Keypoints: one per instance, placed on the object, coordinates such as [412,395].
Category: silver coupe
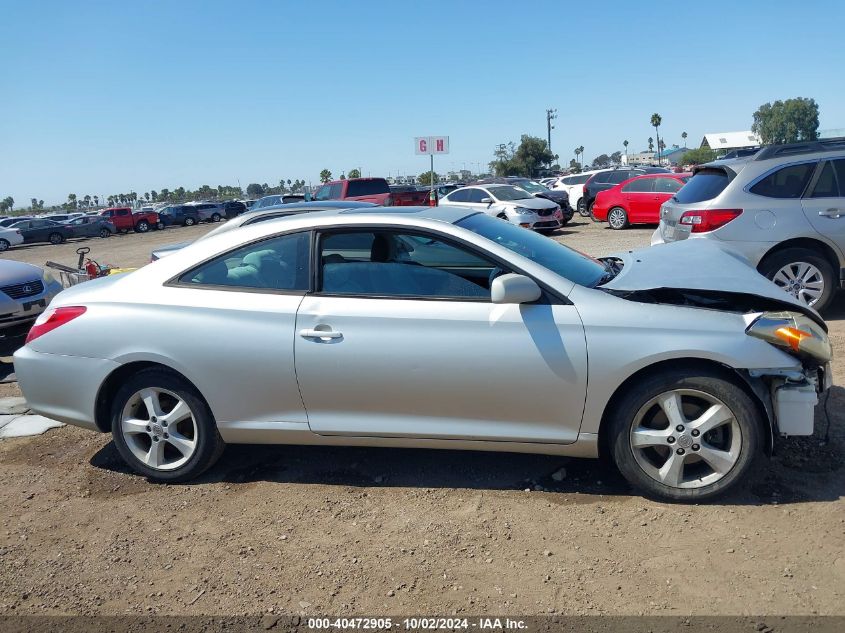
[434,327]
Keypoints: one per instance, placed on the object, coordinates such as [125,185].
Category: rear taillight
[53,318]
[709,219]
[388,201]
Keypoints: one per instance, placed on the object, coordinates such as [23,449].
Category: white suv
[574,187]
[782,209]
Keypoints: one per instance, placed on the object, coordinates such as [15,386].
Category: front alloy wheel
[162,427]
[687,436]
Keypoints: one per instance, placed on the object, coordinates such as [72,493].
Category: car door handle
[325,334]
[831,213]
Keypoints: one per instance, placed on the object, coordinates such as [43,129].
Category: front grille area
[26,289]
[547,225]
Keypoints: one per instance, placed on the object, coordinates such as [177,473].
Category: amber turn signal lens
[792,335]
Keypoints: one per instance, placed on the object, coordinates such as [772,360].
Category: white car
[574,186]
[509,203]
[9,237]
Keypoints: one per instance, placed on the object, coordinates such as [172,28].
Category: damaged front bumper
[794,396]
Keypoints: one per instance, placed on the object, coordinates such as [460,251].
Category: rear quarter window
[787,182]
[704,185]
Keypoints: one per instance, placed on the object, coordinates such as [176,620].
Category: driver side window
[389,264]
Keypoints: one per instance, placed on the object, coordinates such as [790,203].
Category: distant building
[640,158]
[730,140]
[673,155]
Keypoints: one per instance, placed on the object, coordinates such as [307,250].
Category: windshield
[507,192]
[532,187]
[560,259]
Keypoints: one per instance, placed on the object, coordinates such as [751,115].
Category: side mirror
[514,288]
[487,201]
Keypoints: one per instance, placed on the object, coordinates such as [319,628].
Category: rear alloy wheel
[582,207]
[56,238]
[142,227]
[189,221]
[104,233]
[162,427]
[4,245]
[803,274]
[215,217]
[685,437]
[617,218]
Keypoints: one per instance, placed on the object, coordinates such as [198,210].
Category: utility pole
[551,114]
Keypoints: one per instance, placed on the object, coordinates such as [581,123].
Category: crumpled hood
[698,265]
[531,203]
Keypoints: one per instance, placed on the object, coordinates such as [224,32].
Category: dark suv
[233,208]
[602,181]
[179,214]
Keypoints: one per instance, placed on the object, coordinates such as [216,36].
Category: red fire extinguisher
[432,199]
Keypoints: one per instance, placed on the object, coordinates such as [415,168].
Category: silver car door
[824,204]
[372,363]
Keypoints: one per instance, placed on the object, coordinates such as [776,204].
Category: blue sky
[109,97]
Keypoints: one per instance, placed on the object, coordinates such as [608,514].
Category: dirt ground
[384,531]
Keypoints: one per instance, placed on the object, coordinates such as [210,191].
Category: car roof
[327,205]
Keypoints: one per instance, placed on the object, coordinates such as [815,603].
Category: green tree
[574,167]
[501,165]
[787,121]
[343,176]
[425,177]
[650,144]
[254,190]
[325,176]
[697,156]
[684,136]
[656,120]
[354,173]
[602,160]
[531,155]
[625,143]
[616,158]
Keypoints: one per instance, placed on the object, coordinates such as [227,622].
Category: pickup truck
[125,220]
[375,190]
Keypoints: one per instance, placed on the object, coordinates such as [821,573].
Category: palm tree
[96,201]
[684,136]
[625,143]
[581,151]
[656,120]
[650,144]
[577,152]
[87,200]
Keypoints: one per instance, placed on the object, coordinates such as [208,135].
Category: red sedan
[637,200]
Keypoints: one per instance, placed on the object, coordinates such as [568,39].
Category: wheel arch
[753,387]
[809,243]
[116,378]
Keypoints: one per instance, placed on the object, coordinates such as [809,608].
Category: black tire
[104,233]
[624,224]
[582,207]
[160,226]
[4,245]
[709,382]
[56,238]
[776,261]
[142,227]
[209,443]
[190,221]
[215,217]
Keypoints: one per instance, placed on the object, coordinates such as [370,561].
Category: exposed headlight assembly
[794,332]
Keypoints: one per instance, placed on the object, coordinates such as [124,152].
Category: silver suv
[782,209]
